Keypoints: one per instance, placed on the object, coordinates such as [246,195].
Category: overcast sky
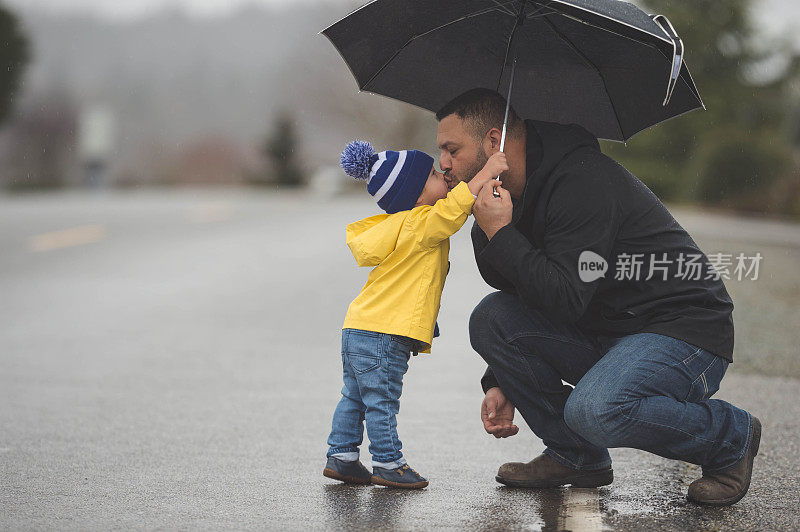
[778,16]
[134,8]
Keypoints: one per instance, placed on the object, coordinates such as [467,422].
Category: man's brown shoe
[544,472]
[727,487]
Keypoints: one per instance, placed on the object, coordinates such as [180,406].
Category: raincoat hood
[372,239]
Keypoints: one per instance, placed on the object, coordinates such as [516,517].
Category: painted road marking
[75,236]
[580,511]
[217,211]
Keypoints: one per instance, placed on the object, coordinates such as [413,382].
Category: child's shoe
[399,477]
[349,472]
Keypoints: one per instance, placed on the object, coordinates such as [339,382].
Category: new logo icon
[591,266]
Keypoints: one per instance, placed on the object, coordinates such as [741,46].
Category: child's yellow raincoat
[409,250]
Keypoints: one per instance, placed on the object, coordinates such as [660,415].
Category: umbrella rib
[504,7]
[556,11]
[508,46]
[589,61]
[542,6]
[601,28]
[690,83]
[536,14]
[412,39]
[587,10]
[347,15]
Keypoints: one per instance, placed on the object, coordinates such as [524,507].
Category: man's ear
[491,141]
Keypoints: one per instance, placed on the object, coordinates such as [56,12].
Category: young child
[395,313]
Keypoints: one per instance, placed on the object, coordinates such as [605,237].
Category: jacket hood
[372,239]
[553,142]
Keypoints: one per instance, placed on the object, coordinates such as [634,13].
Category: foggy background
[135,93]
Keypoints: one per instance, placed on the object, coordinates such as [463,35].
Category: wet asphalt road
[172,361]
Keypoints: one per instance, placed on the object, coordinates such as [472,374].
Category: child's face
[435,189]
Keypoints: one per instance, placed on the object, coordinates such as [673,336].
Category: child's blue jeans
[373,366]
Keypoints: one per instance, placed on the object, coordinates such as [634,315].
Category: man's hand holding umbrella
[492,213]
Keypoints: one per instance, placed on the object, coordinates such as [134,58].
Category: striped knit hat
[394,178]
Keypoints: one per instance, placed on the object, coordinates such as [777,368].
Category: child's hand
[494,167]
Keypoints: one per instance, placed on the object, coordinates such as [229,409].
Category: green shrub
[733,164]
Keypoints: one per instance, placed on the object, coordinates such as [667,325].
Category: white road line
[75,236]
[580,511]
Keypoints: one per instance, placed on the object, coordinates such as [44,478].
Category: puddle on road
[644,490]
[580,511]
[654,490]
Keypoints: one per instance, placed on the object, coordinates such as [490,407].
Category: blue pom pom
[356,159]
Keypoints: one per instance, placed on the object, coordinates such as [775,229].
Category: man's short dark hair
[482,110]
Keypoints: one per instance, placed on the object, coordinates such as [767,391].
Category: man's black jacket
[577,199]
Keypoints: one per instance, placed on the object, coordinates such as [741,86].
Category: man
[644,348]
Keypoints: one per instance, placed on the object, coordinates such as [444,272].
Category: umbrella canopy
[603,64]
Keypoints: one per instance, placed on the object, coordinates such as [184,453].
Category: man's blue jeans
[645,390]
[373,366]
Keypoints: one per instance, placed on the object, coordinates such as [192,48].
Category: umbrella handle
[677,54]
[495,193]
[511,48]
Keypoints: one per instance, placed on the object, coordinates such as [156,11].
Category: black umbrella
[603,64]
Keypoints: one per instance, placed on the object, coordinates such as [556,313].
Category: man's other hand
[497,414]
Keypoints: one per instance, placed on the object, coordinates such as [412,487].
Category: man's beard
[477,166]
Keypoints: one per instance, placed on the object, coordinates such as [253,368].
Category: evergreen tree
[735,150]
[14,57]
[281,149]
